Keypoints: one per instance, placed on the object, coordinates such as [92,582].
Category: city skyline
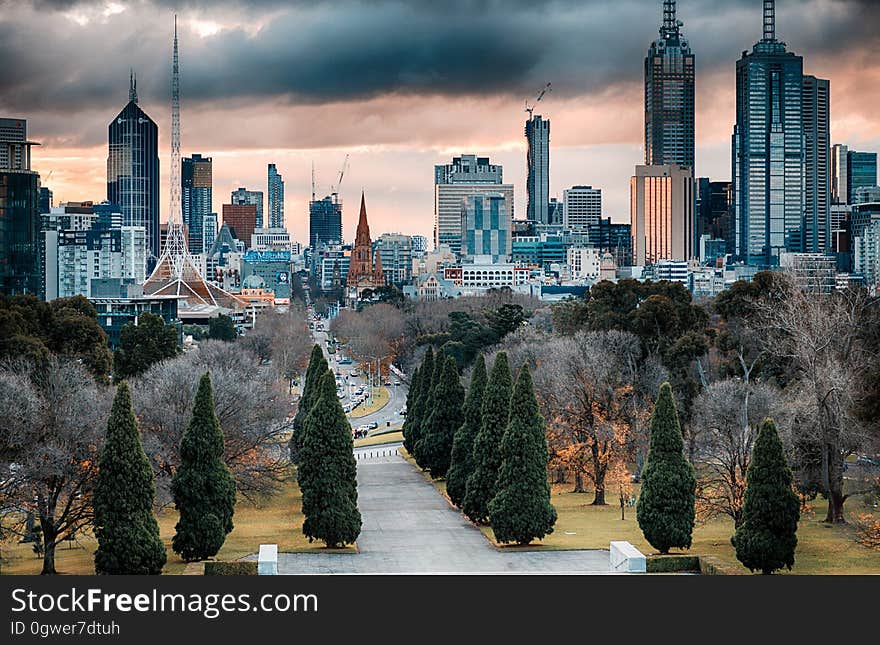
[396,127]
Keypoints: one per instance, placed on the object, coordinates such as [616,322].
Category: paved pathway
[408,527]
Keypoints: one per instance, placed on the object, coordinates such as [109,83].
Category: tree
[314,373]
[125,527]
[142,345]
[51,417]
[418,413]
[767,538]
[462,465]
[203,487]
[427,399]
[665,509]
[222,328]
[621,481]
[435,444]
[327,472]
[521,510]
[482,484]
[411,396]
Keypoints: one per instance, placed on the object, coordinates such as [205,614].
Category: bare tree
[51,446]
[820,337]
[252,406]
[728,415]
[376,331]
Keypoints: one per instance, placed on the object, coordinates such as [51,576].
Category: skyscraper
[453,183]
[486,227]
[20,256]
[276,199]
[817,175]
[862,173]
[196,199]
[255,197]
[662,212]
[768,150]
[538,160]
[242,220]
[133,170]
[582,207]
[669,95]
[325,221]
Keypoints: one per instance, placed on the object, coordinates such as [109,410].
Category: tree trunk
[836,498]
[599,497]
[560,475]
[49,536]
[578,483]
[622,509]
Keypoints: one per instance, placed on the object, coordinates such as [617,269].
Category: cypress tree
[481,485]
[767,538]
[417,415]
[328,472]
[411,397]
[203,487]
[126,529]
[314,372]
[521,510]
[665,510]
[462,464]
[435,445]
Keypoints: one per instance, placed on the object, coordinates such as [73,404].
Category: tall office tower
[817,175]
[242,220]
[209,231]
[486,227]
[669,95]
[21,267]
[196,186]
[862,173]
[538,160]
[276,198]
[768,153]
[395,251]
[712,210]
[255,197]
[453,183]
[133,170]
[325,221]
[839,174]
[46,201]
[581,208]
[662,212]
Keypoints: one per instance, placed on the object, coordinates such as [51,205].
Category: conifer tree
[665,509]
[767,537]
[462,464]
[521,510]
[438,432]
[203,487]
[421,408]
[314,372]
[411,396]
[481,485]
[125,526]
[328,472]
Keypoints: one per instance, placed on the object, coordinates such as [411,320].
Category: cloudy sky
[400,86]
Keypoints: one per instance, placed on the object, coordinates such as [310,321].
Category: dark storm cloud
[338,51]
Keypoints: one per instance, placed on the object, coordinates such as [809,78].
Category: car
[354,373]
[396,383]
[387,383]
[402,412]
[373,425]
[340,395]
[346,408]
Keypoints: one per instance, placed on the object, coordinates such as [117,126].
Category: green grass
[380,438]
[822,549]
[380,400]
[276,521]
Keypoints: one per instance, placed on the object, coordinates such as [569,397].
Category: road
[408,527]
[382,417]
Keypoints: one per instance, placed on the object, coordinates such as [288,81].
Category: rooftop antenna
[132,86]
[769,21]
[313,180]
[531,108]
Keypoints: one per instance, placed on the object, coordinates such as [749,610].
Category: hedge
[673,564]
[237,568]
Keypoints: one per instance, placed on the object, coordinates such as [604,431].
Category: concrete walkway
[408,527]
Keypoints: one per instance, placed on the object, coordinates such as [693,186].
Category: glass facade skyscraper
[817,166]
[862,171]
[133,171]
[196,199]
[276,198]
[768,150]
[538,160]
[669,96]
[325,221]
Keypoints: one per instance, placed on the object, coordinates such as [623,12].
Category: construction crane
[531,108]
[334,190]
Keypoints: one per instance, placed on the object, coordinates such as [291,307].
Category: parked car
[373,425]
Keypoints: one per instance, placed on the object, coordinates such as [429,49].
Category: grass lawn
[380,400]
[822,549]
[275,521]
[380,438]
